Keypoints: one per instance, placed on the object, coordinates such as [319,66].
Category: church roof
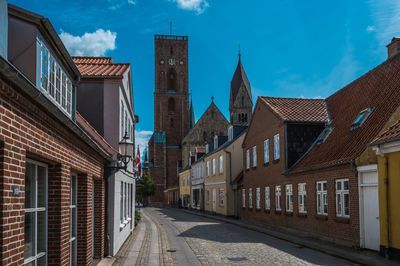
[238,78]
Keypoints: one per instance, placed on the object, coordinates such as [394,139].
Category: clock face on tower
[171,62]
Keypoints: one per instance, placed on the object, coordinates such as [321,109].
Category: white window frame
[230,133]
[54,81]
[250,198]
[258,199]
[213,166]
[302,197]
[188,180]
[289,197]
[183,181]
[267,198]
[277,153]
[266,151]
[121,207]
[322,197]
[208,168]
[340,196]
[278,193]
[35,210]
[243,198]
[221,164]
[255,156]
[221,197]
[73,242]
[247,159]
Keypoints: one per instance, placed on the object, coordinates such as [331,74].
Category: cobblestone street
[174,237]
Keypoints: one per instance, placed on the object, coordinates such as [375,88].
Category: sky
[290,48]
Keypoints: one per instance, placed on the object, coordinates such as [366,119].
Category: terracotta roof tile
[392,133]
[298,109]
[92,60]
[378,89]
[102,70]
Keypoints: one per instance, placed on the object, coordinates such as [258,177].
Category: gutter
[18,79]
[288,172]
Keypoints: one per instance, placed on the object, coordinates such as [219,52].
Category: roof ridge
[293,98]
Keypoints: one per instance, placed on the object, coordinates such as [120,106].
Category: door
[369,210]
[214,200]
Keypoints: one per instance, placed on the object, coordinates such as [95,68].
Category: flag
[138,164]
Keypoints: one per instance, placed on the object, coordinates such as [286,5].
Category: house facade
[184,188]
[50,167]
[197,184]
[105,99]
[222,166]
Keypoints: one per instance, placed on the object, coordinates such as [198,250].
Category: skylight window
[324,135]
[362,116]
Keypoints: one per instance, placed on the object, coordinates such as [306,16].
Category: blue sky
[290,48]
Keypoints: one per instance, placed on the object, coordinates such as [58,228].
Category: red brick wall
[28,131]
[99,217]
[332,228]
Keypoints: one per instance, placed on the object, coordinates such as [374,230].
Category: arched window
[172,80]
[171,105]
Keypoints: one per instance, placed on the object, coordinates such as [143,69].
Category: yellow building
[387,147]
[184,187]
[222,165]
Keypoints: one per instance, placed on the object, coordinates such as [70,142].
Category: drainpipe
[386,191]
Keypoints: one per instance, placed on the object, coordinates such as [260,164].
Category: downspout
[386,185]
[230,179]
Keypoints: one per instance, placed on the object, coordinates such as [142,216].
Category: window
[126,122]
[53,78]
[172,79]
[35,238]
[126,202]
[221,164]
[247,159]
[277,154]
[322,198]
[254,156]
[188,180]
[362,116]
[342,198]
[278,198]
[213,166]
[289,198]
[122,119]
[266,151]
[230,133]
[324,135]
[215,142]
[244,198]
[302,195]
[208,168]
[258,198]
[121,208]
[183,181]
[267,199]
[208,196]
[221,197]
[250,198]
[207,148]
[73,220]
[171,105]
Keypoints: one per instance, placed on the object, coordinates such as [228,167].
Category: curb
[335,252]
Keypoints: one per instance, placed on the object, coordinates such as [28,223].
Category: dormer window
[324,135]
[207,148]
[215,142]
[54,81]
[230,133]
[362,116]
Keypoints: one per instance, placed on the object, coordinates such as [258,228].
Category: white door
[369,210]
[214,199]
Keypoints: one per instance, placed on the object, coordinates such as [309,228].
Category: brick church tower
[171,114]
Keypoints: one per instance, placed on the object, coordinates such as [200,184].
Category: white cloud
[89,44]
[132,2]
[197,5]
[142,138]
[370,28]
[386,19]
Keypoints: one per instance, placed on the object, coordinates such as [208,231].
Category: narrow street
[174,237]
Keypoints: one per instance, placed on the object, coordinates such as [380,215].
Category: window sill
[266,164]
[268,211]
[278,211]
[302,214]
[289,213]
[322,217]
[342,220]
[276,160]
[258,209]
[250,208]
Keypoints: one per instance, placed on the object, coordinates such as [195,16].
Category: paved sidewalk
[351,254]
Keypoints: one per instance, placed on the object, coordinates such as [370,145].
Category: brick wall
[28,131]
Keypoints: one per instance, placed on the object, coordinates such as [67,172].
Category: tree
[145,188]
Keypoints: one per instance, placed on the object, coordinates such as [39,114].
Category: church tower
[240,101]
[171,111]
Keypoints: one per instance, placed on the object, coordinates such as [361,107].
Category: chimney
[393,47]
[3,28]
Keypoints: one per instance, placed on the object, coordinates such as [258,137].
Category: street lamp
[126,152]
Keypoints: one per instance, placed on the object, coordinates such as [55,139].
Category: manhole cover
[171,250]
[237,259]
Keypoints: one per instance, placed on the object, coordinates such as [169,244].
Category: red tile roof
[297,109]
[98,139]
[379,89]
[103,70]
[92,60]
[392,133]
